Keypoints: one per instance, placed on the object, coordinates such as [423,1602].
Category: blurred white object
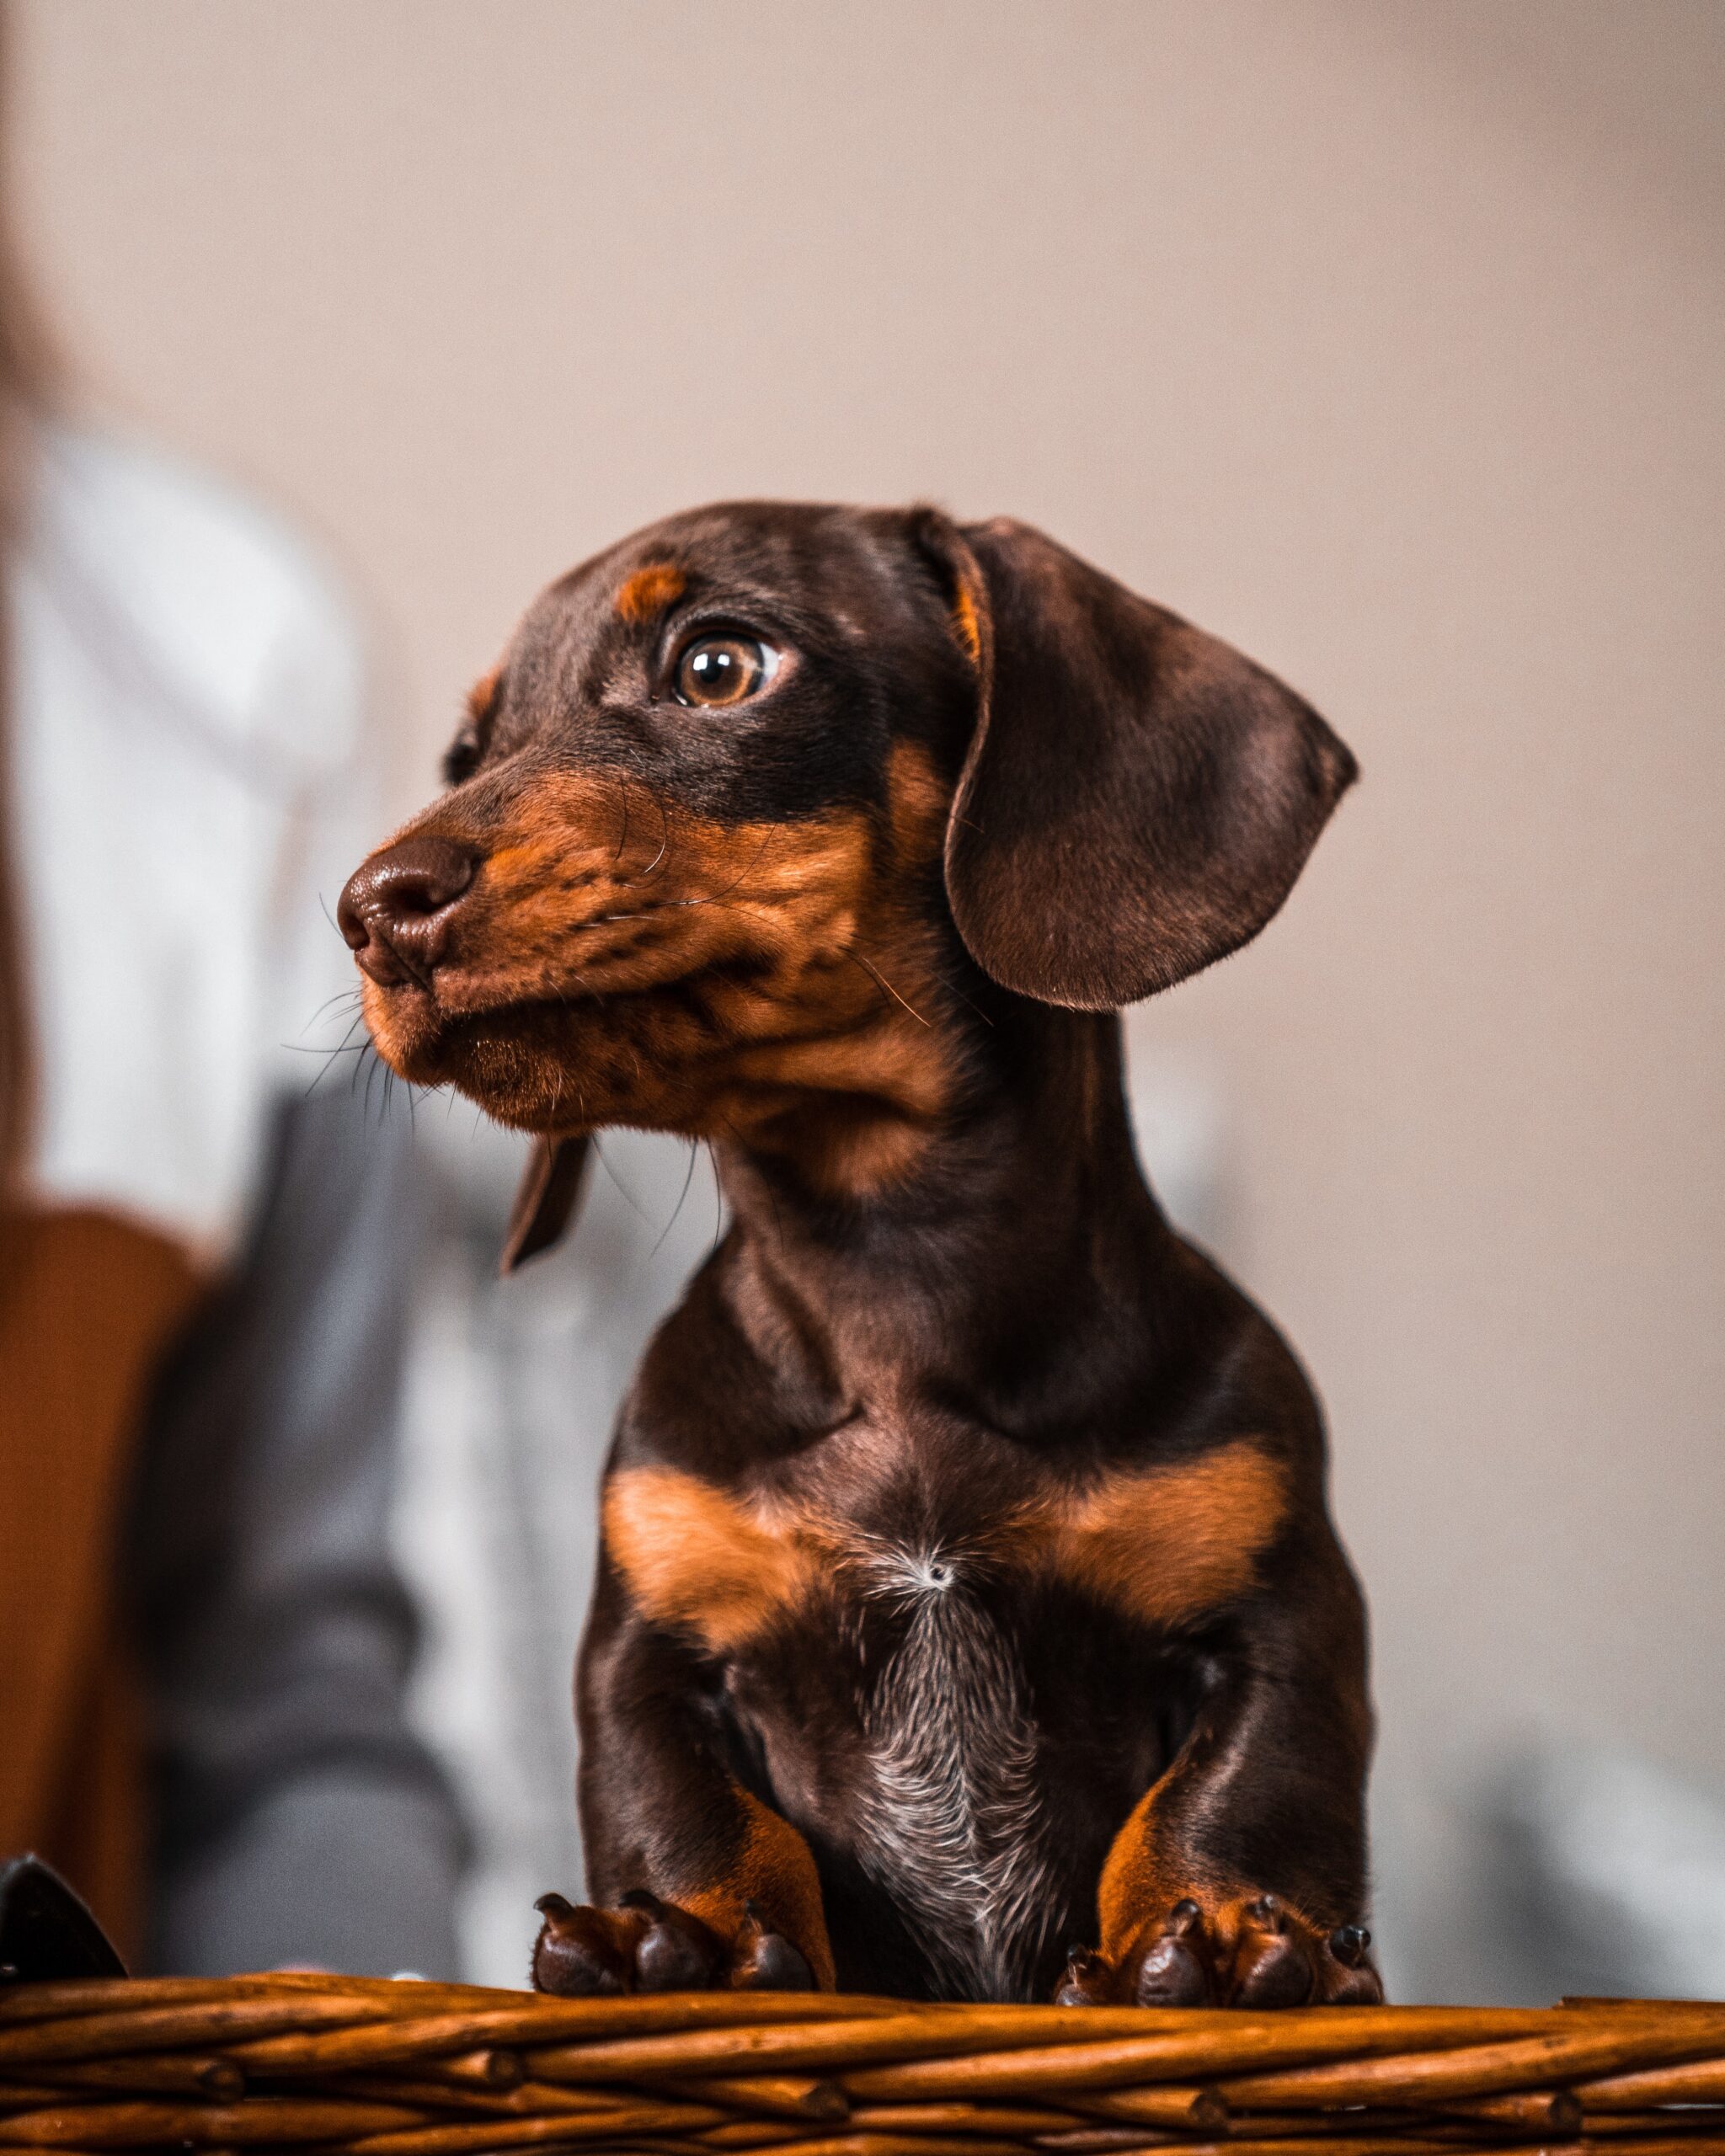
[188,714]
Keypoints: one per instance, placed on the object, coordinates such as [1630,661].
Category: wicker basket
[418,2069]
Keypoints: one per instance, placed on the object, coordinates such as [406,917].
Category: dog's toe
[1173,1968]
[776,1965]
[1087,1980]
[580,1953]
[1274,1961]
[676,1951]
[765,1960]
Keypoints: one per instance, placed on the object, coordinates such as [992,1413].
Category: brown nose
[395,910]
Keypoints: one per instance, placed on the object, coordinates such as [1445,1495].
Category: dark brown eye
[461,760]
[721,670]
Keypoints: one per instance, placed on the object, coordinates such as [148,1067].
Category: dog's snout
[395,910]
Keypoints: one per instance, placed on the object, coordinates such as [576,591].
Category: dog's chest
[947,1813]
[945,1809]
[882,1605]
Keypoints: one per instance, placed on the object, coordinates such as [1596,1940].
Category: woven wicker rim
[352,2065]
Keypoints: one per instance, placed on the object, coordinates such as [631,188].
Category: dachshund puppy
[967,1586]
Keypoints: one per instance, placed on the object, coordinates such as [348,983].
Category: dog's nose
[395,910]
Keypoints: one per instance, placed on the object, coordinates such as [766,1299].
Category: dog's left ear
[549,1191]
[1138,799]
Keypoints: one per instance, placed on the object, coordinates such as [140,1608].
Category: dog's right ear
[549,1191]
[1137,799]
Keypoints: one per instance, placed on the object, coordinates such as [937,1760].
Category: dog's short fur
[967,1586]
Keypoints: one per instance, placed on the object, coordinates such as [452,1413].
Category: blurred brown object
[88,1304]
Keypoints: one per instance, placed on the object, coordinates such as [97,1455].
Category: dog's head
[750,793]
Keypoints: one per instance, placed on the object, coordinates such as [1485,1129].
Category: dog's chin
[519,1063]
[538,1065]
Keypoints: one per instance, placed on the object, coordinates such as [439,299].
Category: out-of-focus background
[1381,337]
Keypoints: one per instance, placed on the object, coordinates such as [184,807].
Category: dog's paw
[1252,1951]
[647,1944]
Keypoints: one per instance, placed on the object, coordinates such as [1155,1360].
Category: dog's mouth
[761,1046]
[547,1057]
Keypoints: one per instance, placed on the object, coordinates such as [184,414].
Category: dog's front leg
[1239,1879]
[695,1882]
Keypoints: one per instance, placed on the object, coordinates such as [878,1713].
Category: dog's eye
[461,760]
[721,670]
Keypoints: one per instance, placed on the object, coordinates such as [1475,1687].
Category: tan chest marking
[702,1561]
[1163,1545]
[1168,1544]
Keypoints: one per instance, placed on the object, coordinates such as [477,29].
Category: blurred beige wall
[1384,338]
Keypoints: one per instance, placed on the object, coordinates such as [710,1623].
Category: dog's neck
[1025,1220]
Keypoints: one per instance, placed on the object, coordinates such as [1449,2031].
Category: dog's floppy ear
[545,1203]
[1138,799]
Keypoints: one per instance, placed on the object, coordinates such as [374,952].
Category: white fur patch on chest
[951,1822]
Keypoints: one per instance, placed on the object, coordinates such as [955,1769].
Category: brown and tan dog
[967,1586]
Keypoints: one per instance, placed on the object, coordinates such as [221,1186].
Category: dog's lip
[432,1012]
[433,1009]
[475,1017]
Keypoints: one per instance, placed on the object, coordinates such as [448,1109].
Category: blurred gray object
[1610,1876]
[298,1817]
[512,1390]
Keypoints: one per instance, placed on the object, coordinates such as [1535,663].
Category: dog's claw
[1252,1951]
[1349,1943]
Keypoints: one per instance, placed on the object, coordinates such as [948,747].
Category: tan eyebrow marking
[483,694]
[969,625]
[650,590]
[1168,1544]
